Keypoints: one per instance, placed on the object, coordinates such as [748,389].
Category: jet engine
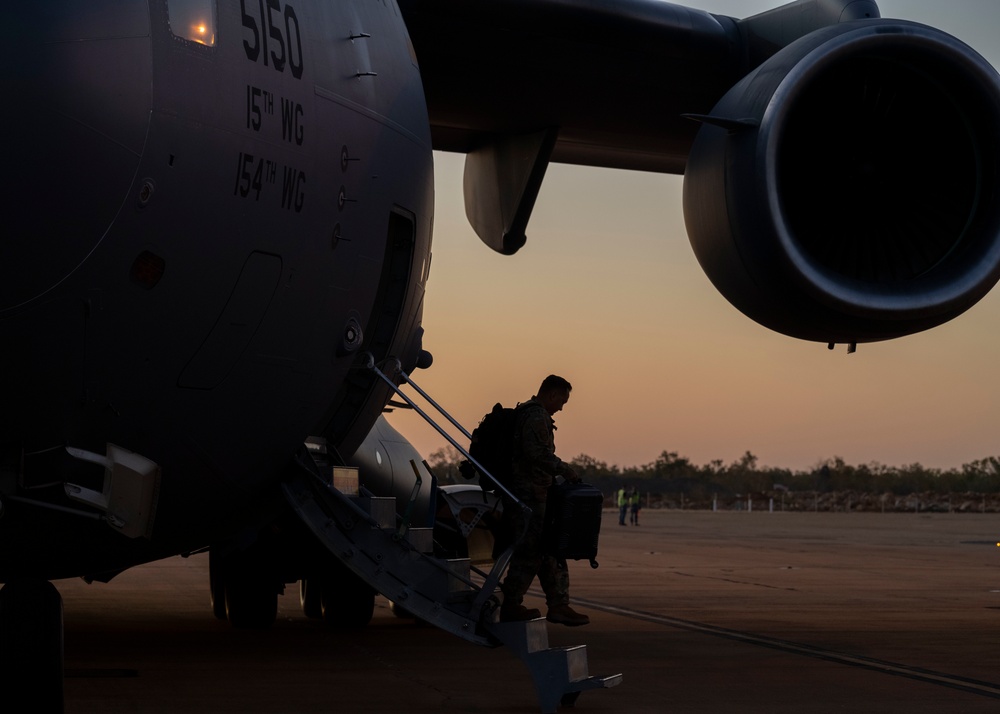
[846,190]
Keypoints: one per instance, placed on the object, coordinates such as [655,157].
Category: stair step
[422,539]
[564,665]
[444,585]
[523,638]
[576,663]
[381,508]
[573,691]
[345,479]
[557,672]
[460,568]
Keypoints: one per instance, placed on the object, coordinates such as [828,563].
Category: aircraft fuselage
[212,210]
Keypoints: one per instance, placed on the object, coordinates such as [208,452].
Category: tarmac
[701,612]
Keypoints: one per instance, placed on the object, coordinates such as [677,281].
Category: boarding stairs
[398,560]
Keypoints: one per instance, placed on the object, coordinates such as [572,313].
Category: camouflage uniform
[535,468]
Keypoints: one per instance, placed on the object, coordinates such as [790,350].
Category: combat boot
[565,615]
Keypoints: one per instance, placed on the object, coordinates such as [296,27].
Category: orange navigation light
[193,20]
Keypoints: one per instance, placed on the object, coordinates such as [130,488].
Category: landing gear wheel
[399,611]
[347,602]
[244,591]
[310,598]
[216,585]
[31,645]
[251,602]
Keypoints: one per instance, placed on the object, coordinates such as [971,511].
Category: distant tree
[671,466]
[914,478]
[444,464]
[591,470]
[982,476]
[673,474]
[742,476]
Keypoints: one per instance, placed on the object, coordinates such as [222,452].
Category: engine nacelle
[847,189]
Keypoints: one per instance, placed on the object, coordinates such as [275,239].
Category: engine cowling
[847,189]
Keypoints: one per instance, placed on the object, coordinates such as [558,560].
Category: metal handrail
[501,563]
[426,396]
[479,467]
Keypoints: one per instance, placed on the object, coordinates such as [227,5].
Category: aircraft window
[193,20]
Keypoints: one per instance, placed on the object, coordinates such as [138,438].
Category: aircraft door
[382,327]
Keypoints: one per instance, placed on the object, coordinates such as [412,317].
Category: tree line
[672,473]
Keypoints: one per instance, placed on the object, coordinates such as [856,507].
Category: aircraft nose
[76,86]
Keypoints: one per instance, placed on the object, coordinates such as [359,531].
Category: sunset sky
[607,293]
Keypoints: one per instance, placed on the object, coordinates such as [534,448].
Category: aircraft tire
[31,645]
[251,602]
[216,585]
[399,611]
[310,598]
[347,602]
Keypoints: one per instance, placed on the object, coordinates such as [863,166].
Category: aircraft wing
[614,78]
[841,170]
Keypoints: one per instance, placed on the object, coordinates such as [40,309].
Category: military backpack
[493,446]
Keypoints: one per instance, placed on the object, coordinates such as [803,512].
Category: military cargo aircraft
[217,238]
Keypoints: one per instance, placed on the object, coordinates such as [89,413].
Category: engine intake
[847,189]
